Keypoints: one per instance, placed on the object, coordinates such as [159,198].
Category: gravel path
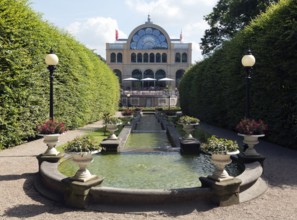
[19,200]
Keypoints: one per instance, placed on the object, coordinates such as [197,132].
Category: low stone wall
[93,192]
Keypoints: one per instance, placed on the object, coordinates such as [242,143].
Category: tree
[229,17]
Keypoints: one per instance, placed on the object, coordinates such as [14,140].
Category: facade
[149,65]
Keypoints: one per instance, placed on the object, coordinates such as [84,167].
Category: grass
[99,134]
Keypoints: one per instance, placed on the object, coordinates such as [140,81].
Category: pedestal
[226,193]
[189,146]
[77,192]
[250,159]
[110,145]
[49,158]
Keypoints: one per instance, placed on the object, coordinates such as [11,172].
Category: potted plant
[251,130]
[111,124]
[188,124]
[220,149]
[127,112]
[51,130]
[81,149]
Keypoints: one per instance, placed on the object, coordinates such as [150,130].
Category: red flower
[51,127]
[251,127]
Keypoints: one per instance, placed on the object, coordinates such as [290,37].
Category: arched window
[145,58]
[164,58]
[178,76]
[159,75]
[152,58]
[119,57]
[138,75]
[177,57]
[184,57]
[112,57]
[149,38]
[118,73]
[148,74]
[133,58]
[158,58]
[139,58]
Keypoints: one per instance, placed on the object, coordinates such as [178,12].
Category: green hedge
[214,89]
[84,86]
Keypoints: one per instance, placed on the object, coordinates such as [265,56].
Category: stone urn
[251,141]
[112,128]
[188,129]
[51,141]
[220,160]
[82,159]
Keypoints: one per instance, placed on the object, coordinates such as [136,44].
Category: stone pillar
[110,145]
[48,158]
[77,193]
[226,192]
[250,159]
[189,146]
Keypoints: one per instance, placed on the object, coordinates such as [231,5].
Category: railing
[150,92]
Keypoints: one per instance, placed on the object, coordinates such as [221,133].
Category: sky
[93,22]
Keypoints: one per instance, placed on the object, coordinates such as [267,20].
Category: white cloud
[95,32]
[172,15]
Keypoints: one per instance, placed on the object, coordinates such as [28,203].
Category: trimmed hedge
[214,89]
[84,86]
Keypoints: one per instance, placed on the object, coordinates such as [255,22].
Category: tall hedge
[84,86]
[214,89]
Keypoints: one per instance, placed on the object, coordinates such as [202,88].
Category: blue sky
[93,22]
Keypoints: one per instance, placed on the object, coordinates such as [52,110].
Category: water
[148,134]
[150,170]
[158,170]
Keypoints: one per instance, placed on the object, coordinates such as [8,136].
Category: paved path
[19,200]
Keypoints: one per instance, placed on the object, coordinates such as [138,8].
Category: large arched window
[178,76]
[159,75]
[133,58]
[152,58]
[164,58]
[118,73]
[148,38]
[138,75]
[148,74]
[184,57]
[112,57]
[177,57]
[145,58]
[119,57]
[139,58]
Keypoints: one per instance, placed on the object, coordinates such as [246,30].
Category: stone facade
[148,55]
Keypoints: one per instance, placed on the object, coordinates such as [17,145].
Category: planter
[82,159]
[251,141]
[51,141]
[188,128]
[220,161]
[112,128]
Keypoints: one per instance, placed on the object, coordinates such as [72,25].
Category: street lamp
[248,61]
[51,61]
[128,96]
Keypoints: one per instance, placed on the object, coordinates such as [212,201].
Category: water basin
[156,170]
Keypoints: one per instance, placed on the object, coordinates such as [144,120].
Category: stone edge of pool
[56,186]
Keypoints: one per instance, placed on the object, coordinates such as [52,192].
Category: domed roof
[149,36]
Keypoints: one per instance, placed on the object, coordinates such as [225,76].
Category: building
[149,65]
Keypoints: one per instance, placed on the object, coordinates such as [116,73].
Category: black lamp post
[248,61]
[51,61]
[128,99]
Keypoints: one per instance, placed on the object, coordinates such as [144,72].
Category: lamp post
[51,61]
[128,97]
[248,61]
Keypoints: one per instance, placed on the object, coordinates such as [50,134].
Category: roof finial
[148,18]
